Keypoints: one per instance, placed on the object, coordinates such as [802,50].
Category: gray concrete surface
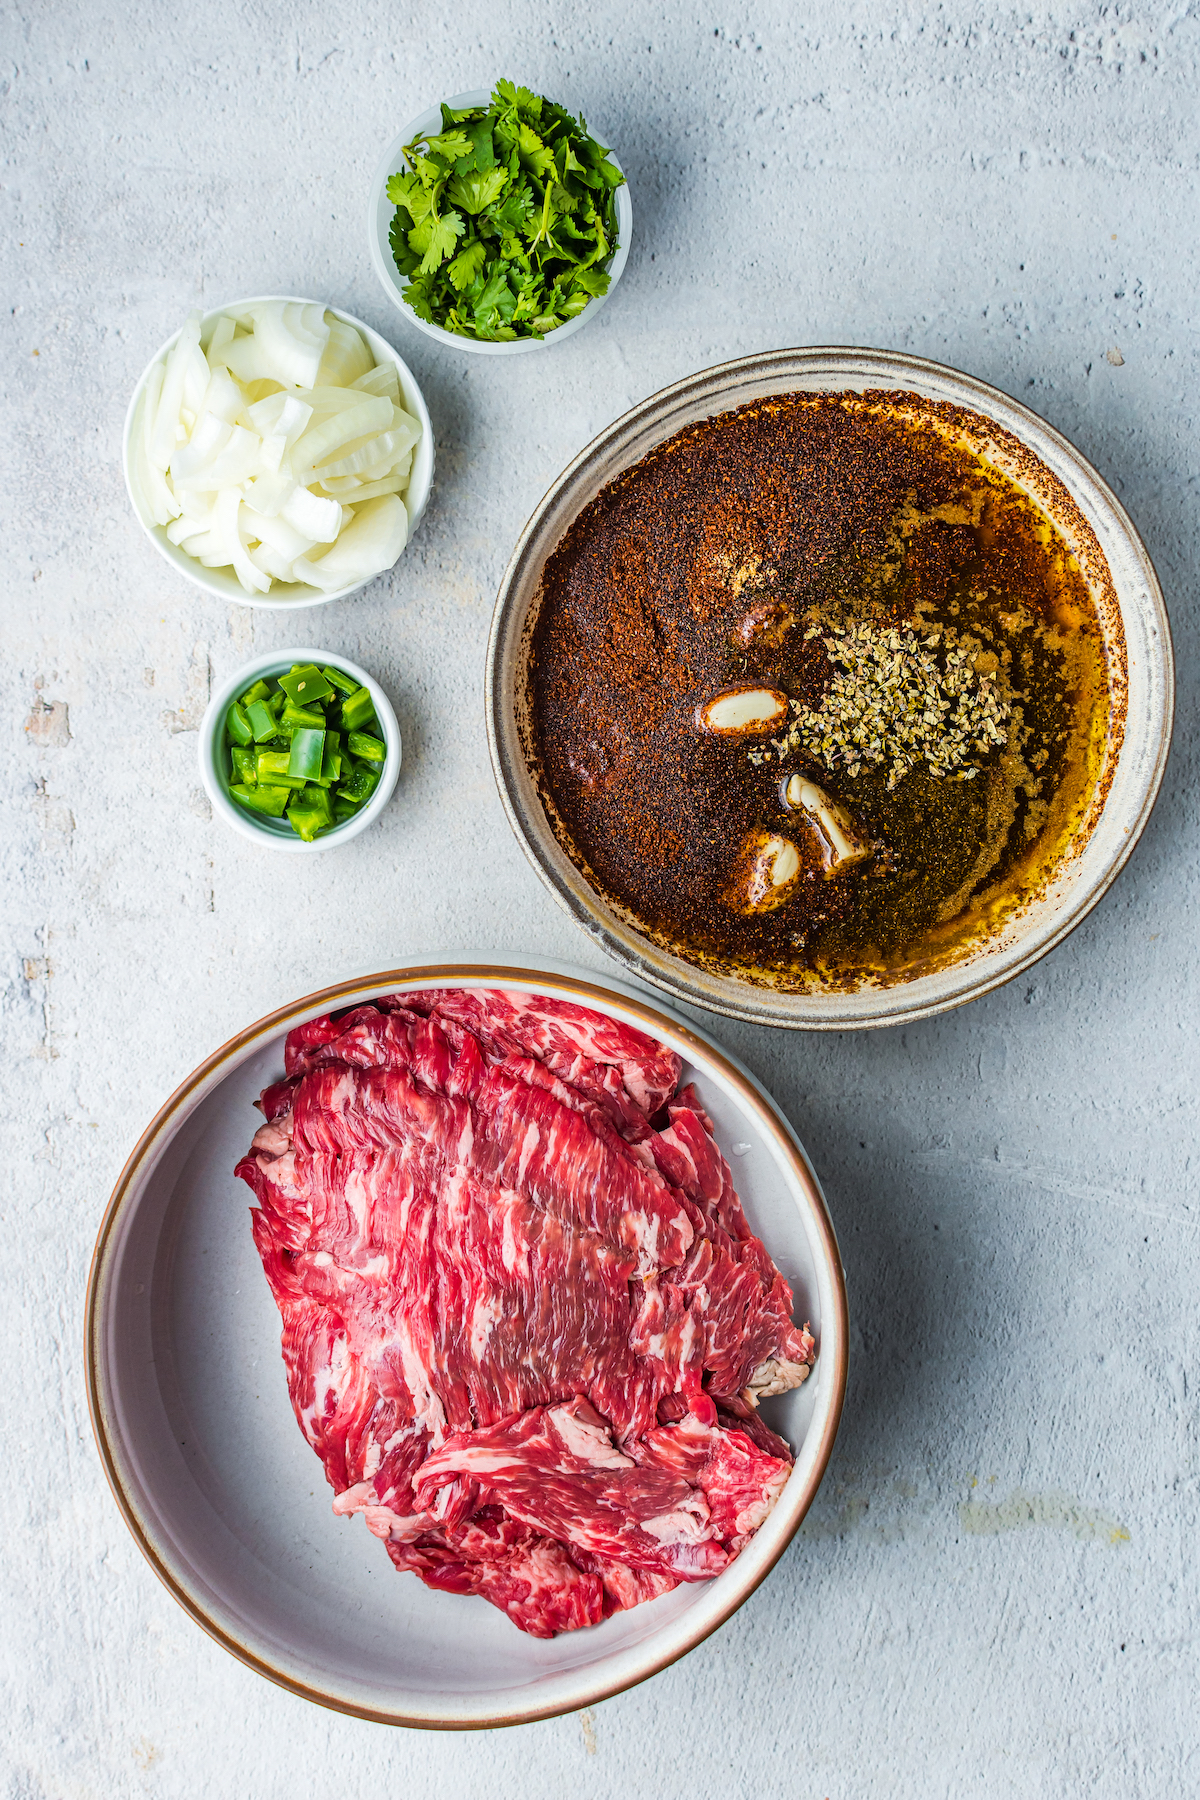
[996,1591]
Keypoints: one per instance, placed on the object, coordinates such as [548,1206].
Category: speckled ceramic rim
[1139,766]
[283,596]
[676,1638]
[212,730]
[379,218]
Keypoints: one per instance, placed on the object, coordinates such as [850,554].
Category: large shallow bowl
[1114,561]
[223,583]
[192,1418]
[380,212]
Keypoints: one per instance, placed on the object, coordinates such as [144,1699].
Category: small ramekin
[223,582]
[277,834]
[380,211]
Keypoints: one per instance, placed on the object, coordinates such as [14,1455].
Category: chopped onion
[276,448]
[346,356]
[382,379]
[372,541]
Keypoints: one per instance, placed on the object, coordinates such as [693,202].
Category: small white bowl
[379,219]
[223,582]
[277,834]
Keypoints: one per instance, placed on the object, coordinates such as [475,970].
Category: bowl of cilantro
[497,223]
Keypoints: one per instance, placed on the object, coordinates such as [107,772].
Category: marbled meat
[526,1325]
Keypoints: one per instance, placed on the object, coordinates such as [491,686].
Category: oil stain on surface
[984,1518]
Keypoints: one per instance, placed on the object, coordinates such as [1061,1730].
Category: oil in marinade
[728,555]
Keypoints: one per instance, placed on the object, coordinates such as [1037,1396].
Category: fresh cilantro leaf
[495,291]
[432,169]
[468,263]
[402,255]
[474,192]
[450,144]
[594,282]
[482,154]
[513,212]
[443,235]
[534,154]
[418,296]
[422,232]
[518,99]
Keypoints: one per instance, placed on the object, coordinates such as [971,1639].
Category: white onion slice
[222,334]
[318,519]
[369,490]
[267,495]
[286,345]
[283,539]
[156,494]
[346,357]
[166,421]
[385,448]
[323,440]
[382,379]
[280,414]
[370,543]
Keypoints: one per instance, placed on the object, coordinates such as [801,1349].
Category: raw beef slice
[525,1328]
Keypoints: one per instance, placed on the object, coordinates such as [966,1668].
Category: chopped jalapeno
[238,725]
[245,766]
[262,721]
[306,684]
[271,766]
[306,717]
[368,748]
[360,784]
[298,749]
[305,820]
[358,709]
[270,800]
[307,754]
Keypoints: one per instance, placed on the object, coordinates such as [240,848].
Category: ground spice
[790,542]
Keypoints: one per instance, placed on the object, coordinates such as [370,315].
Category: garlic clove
[767,871]
[842,844]
[744,711]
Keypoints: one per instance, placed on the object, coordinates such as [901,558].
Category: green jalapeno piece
[360,784]
[358,709]
[301,718]
[306,684]
[305,821]
[361,744]
[271,767]
[262,721]
[245,766]
[238,726]
[270,800]
[345,684]
[258,691]
[307,754]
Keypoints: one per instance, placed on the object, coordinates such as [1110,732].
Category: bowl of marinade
[829,688]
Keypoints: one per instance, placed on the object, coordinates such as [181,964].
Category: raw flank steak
[526,1325]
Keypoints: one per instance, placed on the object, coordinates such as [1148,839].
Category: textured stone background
[996,1591]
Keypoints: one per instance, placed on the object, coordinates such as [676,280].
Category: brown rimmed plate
[228,1503]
